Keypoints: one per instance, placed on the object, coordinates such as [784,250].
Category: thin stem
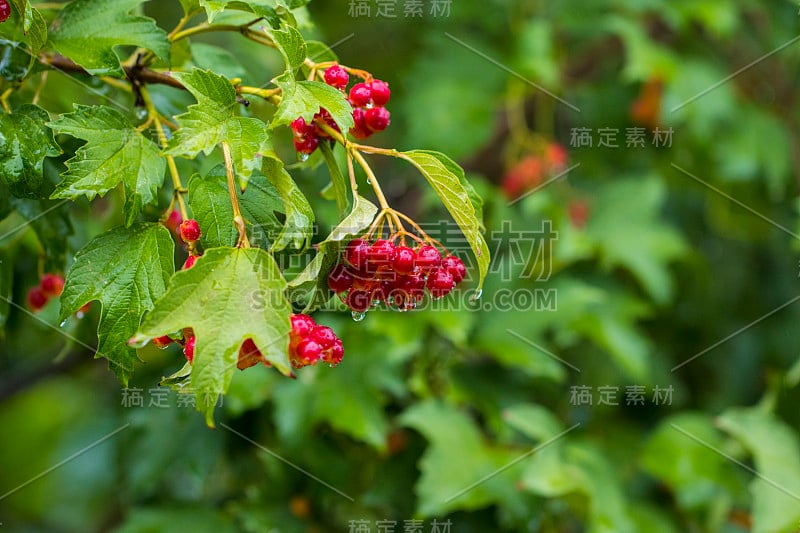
[178,189]
[181,23]
[4,100]
[53,6]
[205,27]
[42,82]
[352,173]
[419,230]
[243,242]
[266,94]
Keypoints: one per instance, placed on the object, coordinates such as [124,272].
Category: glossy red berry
[162,342]
[323,335]
[190,230]
[36,298]
[5,10]
[381,255]
[380,92]
[428,258]
[299,127]
[356,254]
[52,284]
[455,267]
[307,353]
[377,118]
[336,76]
[359,129]
[189,263]
[339,279]
[307,145]
[440,282]
[333,355]
[405,259]
[360,94]
[188,349]
[302,325]
[359,300]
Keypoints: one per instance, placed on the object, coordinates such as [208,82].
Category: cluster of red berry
[309,343]
[188,232]
[368,99]
[383,272]
[50,286]
[5,10]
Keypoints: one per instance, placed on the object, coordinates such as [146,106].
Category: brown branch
[135,72]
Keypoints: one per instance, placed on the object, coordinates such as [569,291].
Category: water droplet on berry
[141,113]
[302,157]
[358,317]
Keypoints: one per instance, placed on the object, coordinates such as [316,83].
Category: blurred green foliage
[683,277]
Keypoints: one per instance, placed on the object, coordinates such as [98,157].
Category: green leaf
[563,467]
[211,207]
[533,420]
[114,152]
[228,296]
[776,452]
[625,223]
[305,98]
[298,227]
[695,473]
[25,142]
[338,182]
[455,459]
[291,45]
[260,8]
[213,120]
[311,284]
[447,179]
[88,31]
[33,27]
[127,269]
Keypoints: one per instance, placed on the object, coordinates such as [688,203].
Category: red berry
[302,325]
[579,211]
[307,145]
[383,293]
[455,267]
[356,254]
[326,117]
[381,255]
[359,129]
[405,259]
[80,313]
[428,258]
[556,157]
[5,10]
[440,282]
[189,263]
[162,342]
[359,300]
[307,353]
[173,221]
[377,118]
[333,355]
[36,298]
[323,335]
[188,349]
[360,94]
[52,284]
[339,279]
[300,128]
[380,92]
[190,230]
[336,76]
